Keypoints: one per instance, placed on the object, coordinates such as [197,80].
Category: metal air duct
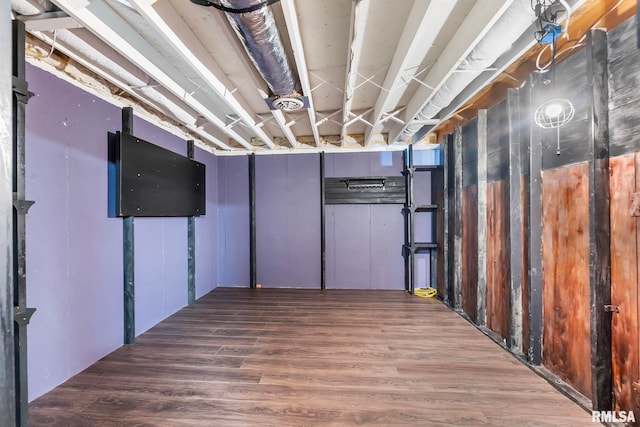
[258,33]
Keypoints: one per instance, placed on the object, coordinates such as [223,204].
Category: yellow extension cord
[425,292]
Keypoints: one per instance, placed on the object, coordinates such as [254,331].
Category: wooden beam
[457,222]
[535,234]
[482,218]
[599,233]
[447,143]
[515,220]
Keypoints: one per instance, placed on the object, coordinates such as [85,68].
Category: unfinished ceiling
[368,74]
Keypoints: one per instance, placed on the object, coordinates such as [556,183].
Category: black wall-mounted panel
[151,181]
[365,190]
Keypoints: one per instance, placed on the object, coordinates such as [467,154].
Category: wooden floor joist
[282,357]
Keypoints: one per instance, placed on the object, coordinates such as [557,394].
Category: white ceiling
[368,67]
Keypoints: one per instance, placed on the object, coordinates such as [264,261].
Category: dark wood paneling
[624,98]
[570,83]
[624,281]
[565,275]
[498,308]
[498,142]
[470,153]
[469,260]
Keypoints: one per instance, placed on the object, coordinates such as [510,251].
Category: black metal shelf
[411,247]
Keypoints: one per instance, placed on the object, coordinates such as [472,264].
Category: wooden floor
[272,357]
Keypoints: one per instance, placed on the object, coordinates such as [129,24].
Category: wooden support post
[128,253]
[599,233]
[446,146]
[457,224]
[7,363]
[482,218]
[323,247]
[515,220]
[535,234]
[252,222]
[191,243]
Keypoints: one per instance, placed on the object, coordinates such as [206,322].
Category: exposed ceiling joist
[477,23]
[186,45]
[113,30]
[425,23]
[293,28]
[359,13]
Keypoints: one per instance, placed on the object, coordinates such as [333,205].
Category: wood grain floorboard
[285,357]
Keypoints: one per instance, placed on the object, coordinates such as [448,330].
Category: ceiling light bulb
[553,110]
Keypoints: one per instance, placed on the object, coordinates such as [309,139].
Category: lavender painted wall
[207,229]
[288,220]
[364,242]
[233,221]
[74,251]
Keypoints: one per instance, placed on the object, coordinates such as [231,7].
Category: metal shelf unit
[411,210]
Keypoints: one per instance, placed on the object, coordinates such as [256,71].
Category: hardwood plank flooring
[283,357]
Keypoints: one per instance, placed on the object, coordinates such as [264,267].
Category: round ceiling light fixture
[288,104]
[554,114]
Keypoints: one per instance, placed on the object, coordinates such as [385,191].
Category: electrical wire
[425,292]
[223,8]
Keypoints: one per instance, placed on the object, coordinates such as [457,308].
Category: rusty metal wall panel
[624,280]
[469,239]
[566,344]
[498,290]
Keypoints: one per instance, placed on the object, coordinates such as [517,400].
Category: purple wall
[74,251]
[288,220]
[364,242]
[207,229]
[233,221]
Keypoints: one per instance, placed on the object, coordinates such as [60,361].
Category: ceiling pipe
[259,35]
[506,31]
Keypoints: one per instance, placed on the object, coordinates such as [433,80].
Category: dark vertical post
[445,218]
[22,314]
[515,220]
[457,221]
[405,214]
[252,220]
[191,243]
[535,233]
[323,248]
[481,303]
[410,211]
[7,363]
[599,233]
[128,253]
